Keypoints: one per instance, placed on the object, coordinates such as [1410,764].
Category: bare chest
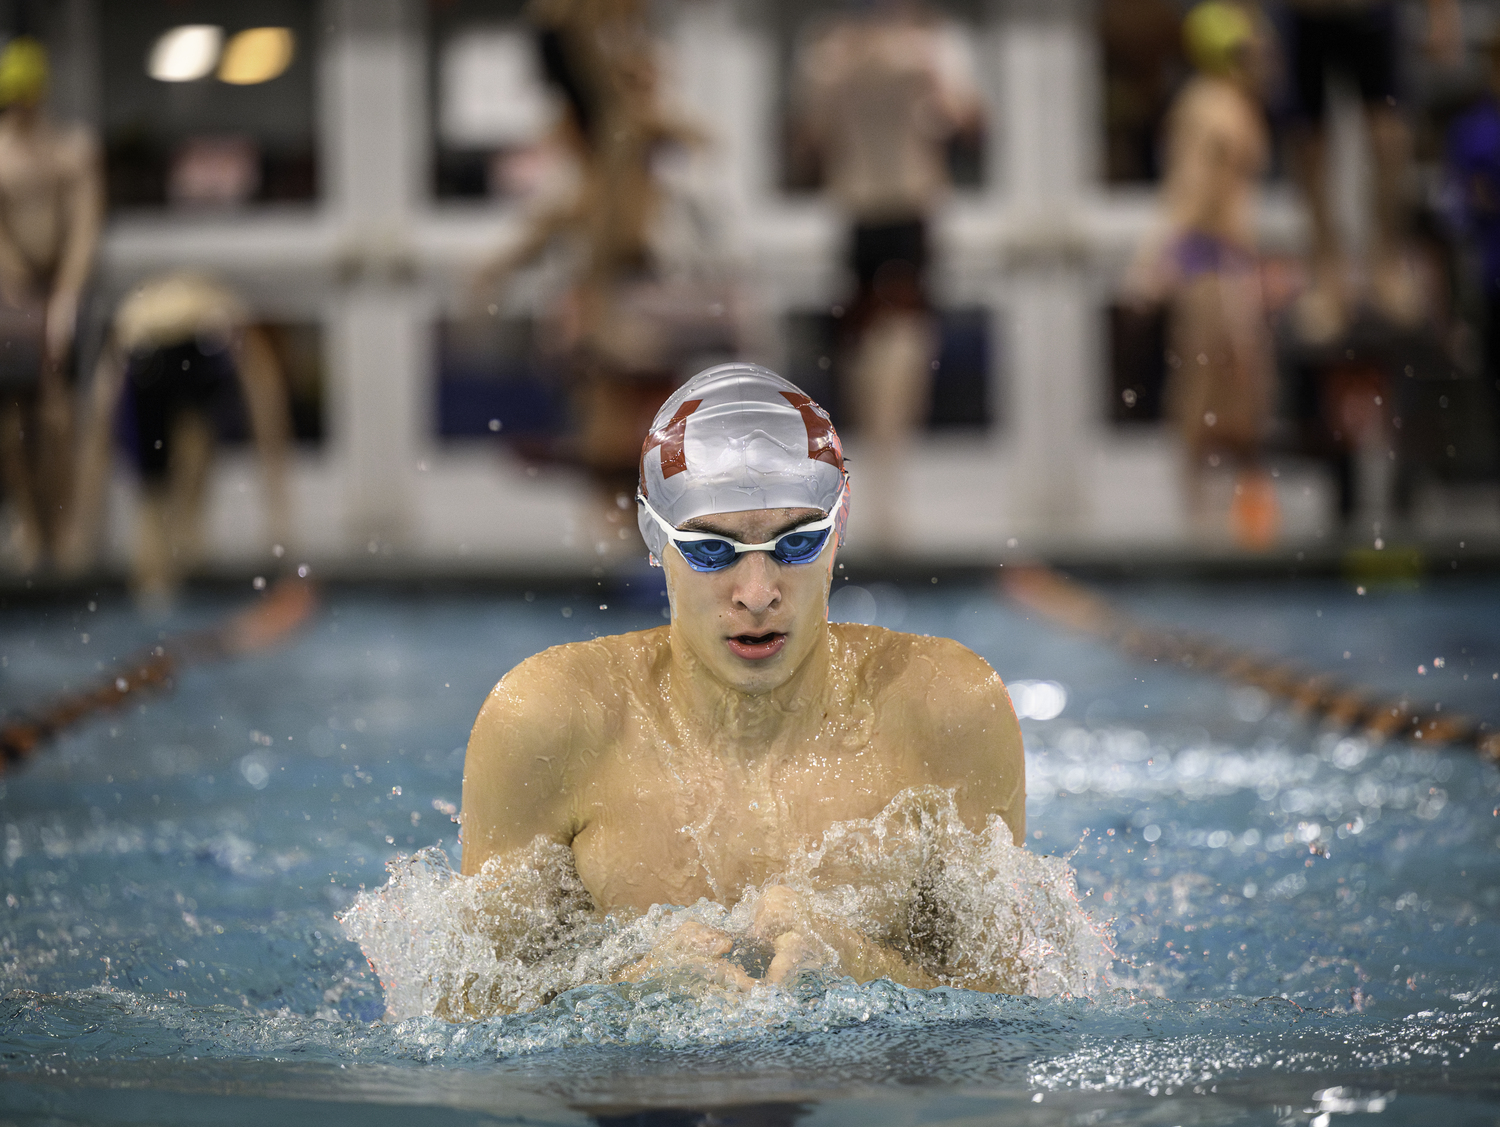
[662,824]
[33,183]
[31,172]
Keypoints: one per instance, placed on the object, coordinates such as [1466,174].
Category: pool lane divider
[272,617]
[1317,695]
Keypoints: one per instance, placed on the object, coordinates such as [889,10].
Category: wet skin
[691,760]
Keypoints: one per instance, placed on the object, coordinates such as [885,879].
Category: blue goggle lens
[707,555]
[715,555]
[800,547]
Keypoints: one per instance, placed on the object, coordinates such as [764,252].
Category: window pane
[491,105]
[231,118]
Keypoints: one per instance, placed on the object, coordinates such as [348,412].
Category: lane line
[1315,694]
[278,613]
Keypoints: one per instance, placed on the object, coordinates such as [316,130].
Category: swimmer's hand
[697,949]
[783,918]
[795,953]
[798,938]
[804,940]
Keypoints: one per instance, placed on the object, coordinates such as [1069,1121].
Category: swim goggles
[708,551]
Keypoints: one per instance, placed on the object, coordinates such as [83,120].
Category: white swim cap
[737,437]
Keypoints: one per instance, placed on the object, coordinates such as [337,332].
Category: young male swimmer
[694,759]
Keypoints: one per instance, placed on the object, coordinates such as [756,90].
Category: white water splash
[964,908]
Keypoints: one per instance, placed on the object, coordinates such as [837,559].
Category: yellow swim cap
[23,71]
[1213,33]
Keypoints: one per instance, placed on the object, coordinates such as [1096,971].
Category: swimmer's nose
[757,588]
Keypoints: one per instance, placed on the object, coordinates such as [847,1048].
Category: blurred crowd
[1376,351]
[178,346]
[1377,347]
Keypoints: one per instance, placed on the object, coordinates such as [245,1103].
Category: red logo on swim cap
[670,439]
[822,441]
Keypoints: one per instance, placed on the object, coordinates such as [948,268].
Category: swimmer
[51,210]
[181,344]
[1202,259]
[693,760]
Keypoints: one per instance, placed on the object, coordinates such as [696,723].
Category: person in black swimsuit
[1355,42]
[181,345]
[880,93]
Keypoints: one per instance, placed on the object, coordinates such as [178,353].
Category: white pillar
[1051,414]
[719,71]
[374,167]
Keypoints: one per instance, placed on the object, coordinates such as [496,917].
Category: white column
[719,71]
[1044,59]
[1051,415]
[374,166]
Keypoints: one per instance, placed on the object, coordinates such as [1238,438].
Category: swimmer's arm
[974,749]
[495,273]
[972,741]
[516,812]
[15,273]
[264,389]
[85,217]
[91,481]
[515,769]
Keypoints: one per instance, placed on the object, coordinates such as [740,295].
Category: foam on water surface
[967,908]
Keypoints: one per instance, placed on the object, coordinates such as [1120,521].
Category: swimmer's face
[754,623]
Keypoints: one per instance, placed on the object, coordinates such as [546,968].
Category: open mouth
[757,646]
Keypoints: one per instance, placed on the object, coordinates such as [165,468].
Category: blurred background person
[881,92]
[1202,261]
[410,418]
[51,203]
[1142,45]
[1357,42]
[181,344]
[640,309]
[1473,160]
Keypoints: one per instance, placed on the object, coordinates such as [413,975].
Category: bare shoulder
[538,731]
[568,690]
[911,666]
[953,708]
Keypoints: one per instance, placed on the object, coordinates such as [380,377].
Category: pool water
[1307,926]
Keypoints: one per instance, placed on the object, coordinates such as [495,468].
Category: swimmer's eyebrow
[704,524]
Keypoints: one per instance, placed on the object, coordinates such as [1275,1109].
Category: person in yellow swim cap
[1216,35]
[51,210]
[1202,262]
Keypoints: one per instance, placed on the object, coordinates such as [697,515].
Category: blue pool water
[1308,927]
